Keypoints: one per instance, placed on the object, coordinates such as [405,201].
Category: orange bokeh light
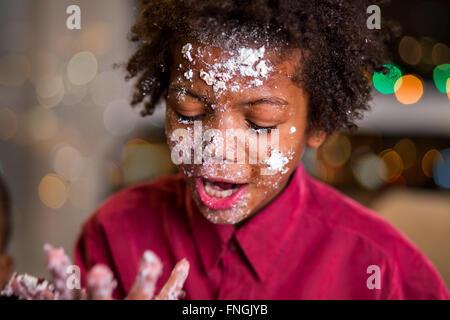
[408,89]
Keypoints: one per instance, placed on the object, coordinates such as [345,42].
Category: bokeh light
[385,83]
[119,118]
[408,89]
[440,54]
[74,94]
[44,64]
[53,191]
[42,123]
[114,174]
[427,45]
[369,170]
[393,164]
[407,151]
[97,38]
[107,87]
[336,150]
[441,169]
[428,161]
[409,50]
[8,124]
[144,161]
[448,88]
[82,68]
[68,162]
[48,87]
[441,75]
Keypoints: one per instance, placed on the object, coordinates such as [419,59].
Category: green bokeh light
[440,76]
[385,82]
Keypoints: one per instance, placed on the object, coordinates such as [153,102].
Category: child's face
[244,89]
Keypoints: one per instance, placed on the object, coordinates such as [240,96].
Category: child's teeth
[218,193]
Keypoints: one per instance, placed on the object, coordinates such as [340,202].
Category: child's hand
[100,281]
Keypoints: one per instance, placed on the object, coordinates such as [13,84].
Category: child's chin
[232,215]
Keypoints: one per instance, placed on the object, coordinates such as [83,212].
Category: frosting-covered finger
[150,269]
[172,290]
[27,287]
[58,263]
[100,283]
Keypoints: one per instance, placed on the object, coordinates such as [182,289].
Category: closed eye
[255,127]
[187,119]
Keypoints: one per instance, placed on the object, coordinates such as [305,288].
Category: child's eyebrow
[266,100]
[180,89]
[263,100]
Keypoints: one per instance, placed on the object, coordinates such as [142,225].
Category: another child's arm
[100,281]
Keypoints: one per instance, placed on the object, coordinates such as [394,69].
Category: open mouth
[218,194]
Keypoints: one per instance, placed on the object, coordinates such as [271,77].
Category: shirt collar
[261,238]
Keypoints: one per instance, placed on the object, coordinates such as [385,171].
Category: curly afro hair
[339,51]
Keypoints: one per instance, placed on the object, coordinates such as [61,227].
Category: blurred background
[68,138]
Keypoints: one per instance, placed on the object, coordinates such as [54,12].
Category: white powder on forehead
[186,51]
[247,63]
[292,130]
[256,82]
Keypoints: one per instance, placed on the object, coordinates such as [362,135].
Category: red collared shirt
[311,242]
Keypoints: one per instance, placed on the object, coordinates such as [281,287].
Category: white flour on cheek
[277,161]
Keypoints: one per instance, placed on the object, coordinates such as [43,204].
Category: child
[291,72]
[6,261]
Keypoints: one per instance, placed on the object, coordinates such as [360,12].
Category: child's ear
[316,138]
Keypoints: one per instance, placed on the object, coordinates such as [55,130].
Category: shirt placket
[234,284]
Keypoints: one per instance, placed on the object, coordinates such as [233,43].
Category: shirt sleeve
[419,280]
[91,248]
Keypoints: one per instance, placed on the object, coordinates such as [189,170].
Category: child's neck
[242,222]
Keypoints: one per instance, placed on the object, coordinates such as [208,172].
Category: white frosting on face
[277,161]
[186,51]
[248,62]
[189,74]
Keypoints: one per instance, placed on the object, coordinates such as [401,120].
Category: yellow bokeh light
[448,87]
[82,68]
[428,161]
[53,191]
[410,50]
[97,38]
[336,150]
[440,54]
[408,89]
[393,164]
[42,124]
[407,150]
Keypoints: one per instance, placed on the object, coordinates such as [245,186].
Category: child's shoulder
[341,214]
